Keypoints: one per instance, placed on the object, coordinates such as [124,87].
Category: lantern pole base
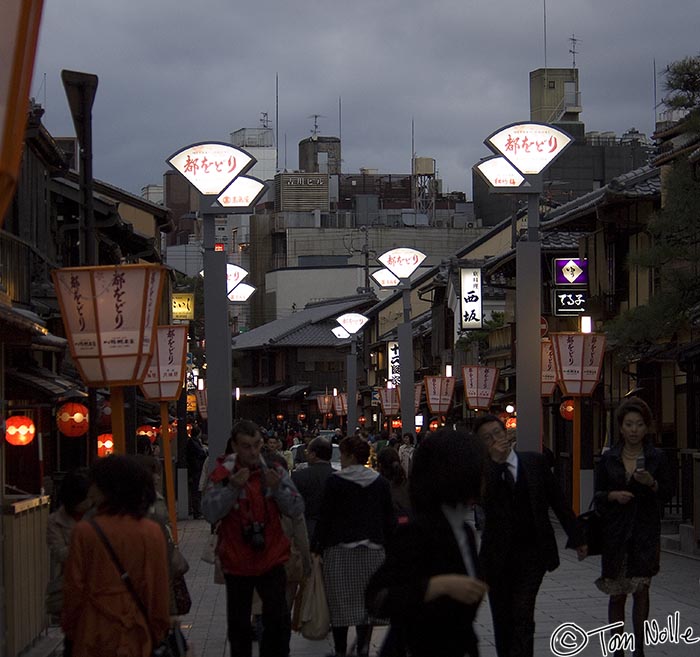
[168,468]
[118,423]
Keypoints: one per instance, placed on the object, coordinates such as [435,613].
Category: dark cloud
[172,73]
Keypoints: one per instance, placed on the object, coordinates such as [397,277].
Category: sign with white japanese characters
[471,308]
[548,372]
[438,393]
[389,399]
[166,372]
[578,358]
[569,302]
[529,147]
[393,363]
[402,262]
[182,305]
[570,271]
[479,386]
[385,278]
[211,167]
[498,172]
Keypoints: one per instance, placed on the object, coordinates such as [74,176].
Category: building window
[551,84]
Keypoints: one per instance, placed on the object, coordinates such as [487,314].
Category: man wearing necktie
[518,545]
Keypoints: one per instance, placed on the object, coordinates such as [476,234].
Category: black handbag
[174,644]
[589,527]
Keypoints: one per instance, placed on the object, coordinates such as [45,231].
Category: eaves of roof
[640,184]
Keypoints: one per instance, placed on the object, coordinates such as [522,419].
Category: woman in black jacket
[430,583]
[633,481]
[355,520]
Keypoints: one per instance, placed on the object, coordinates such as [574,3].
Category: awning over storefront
[261,391]
[42,383]
[295,390]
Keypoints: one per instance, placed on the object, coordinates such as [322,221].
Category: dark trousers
[271,588]
[512,598]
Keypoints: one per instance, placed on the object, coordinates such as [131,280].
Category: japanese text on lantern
[78,298]
[118,294]
[531,144]
[204,166]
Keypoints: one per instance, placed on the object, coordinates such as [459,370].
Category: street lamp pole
[405,336]
[352,385]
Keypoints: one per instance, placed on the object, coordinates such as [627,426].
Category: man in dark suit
[311,480]
[518,544]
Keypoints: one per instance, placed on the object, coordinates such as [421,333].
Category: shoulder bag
[174,644]
[589,527]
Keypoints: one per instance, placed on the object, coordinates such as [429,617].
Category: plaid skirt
[346,573]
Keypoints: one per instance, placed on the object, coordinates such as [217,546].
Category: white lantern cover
[109,313]
[166,372]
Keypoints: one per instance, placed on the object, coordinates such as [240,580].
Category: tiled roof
[641,183]
[310,327]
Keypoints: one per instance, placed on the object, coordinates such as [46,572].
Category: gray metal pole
[406,362]
[352,385]
[528,306]
[218,336]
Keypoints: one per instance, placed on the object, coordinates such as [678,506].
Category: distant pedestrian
[389,466]
[195,455]
[311,480]
[74,503]
[100,615]
[430,584]
[356,520]
[246,496]
[406,452]
[632,482]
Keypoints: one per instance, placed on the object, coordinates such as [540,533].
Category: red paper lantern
[434,425]
[302,417]
[279,417]
[105,445]
[396,424]
[511,422]
[566,409]
[72,419]
[361,420]
[147,430]
[19,430]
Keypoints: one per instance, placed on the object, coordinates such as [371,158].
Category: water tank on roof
[424,166]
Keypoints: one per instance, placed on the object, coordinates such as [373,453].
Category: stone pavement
[568,595]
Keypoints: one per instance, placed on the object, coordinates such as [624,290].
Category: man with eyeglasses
[518,545]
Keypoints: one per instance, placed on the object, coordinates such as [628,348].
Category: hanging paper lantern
[147,430]
[566,409]
[396,424]
[434,425]
[511,422]
[279,417]
[361,420]
[72,419]
[105,445]
[301,417]
[19,430]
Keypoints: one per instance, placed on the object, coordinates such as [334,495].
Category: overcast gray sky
[172,73]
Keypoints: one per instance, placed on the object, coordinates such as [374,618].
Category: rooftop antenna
[544,3]
[315,117]
[264,120]
[277,122]
[573,50]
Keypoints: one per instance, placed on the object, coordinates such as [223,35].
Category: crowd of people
[415,542]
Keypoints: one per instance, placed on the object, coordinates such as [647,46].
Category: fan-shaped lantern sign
[72,419]
[19,430]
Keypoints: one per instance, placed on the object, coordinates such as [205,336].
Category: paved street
[567,596]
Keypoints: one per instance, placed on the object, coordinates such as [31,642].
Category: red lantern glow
[105,445]
[396,424]
[566,409]
[361,420]
[72,419]
[301,416]
[147,430]
[434,425]
[19,430]
[511,422]
[279,417]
